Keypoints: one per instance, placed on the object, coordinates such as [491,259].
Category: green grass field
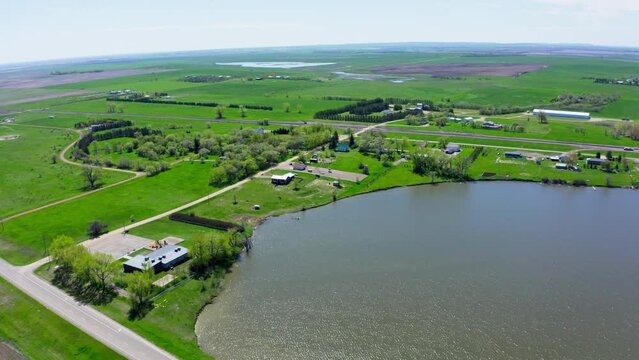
[40,334]
[23,239]
[29,174]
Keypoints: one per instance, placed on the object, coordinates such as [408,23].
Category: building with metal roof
[561,113]
[160,260]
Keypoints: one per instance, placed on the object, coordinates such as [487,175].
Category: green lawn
[29,175]
[23,239]
[40,334]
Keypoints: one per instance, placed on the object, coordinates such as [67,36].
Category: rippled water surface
[456,271]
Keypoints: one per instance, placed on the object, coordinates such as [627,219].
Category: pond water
[274,64]
[453,271]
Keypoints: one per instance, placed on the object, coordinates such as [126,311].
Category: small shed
[561,166]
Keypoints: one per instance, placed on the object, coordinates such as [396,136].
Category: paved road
[505,138]
[109,332]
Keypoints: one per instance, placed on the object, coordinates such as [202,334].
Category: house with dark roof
[160,260]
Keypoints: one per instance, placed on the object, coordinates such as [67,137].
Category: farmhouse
[560,113]
[282,179]
[159,260]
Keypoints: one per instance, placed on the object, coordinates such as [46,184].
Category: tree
[543,119]
[299,108]
[442,143]
[220,112]
[242,111]
[139,288]
[201,256]
[91,174]
[103,269]
[351,140]
[334,141]
[54,158]
[96,228]
[59,250]
[218,176]
[572,157]
[287,107]
[609,155]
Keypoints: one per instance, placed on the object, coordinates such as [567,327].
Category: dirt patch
[30,80]
[455,70]
[8,352]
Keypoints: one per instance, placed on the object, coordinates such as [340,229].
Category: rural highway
[101,327]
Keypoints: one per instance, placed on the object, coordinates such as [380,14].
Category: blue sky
[46,29]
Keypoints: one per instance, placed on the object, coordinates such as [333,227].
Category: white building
[561,113]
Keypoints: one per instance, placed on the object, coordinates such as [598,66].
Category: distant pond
[453,271]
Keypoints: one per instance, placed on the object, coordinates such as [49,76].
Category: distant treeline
[363,111]
[74,72]
[254,107]
[206,222]
[370,118]
[103,124]
[363,107]
[204,78]
[188,103]
[342,98]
